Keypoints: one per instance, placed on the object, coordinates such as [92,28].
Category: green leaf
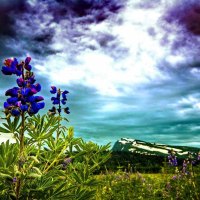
[4,130]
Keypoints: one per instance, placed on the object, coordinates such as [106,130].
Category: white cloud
[99,68]
[187,106]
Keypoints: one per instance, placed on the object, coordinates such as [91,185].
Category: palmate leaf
[11,126]
[83,194]
[41,128]
[8,154]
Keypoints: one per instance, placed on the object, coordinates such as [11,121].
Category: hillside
[147,148]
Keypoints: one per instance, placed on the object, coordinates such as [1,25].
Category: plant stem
[21,154]
[21,148]
[59,111]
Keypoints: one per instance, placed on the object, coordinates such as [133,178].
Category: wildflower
[14,180]
[11,66]
[198,156]
[59,99]
[184,167]
[66,162]
[22,98]
[172,158]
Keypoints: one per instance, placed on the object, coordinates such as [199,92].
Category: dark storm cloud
[32,25]
[182,20]
[186,14]
[6,20]
[99,9]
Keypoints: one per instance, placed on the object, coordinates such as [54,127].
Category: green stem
[57,158]
[59,112]
[21,148]
[21,155]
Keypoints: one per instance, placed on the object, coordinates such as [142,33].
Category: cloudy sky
[132,67]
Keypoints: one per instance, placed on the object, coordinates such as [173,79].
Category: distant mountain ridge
[148,148]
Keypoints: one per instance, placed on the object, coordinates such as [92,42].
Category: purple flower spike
[27,60]
[22,98]
[57,100]
[54,89]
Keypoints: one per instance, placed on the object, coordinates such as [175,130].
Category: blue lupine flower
[54,90]
[22,98]
[58,101]
[172,158]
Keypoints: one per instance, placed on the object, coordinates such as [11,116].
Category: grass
[135,186]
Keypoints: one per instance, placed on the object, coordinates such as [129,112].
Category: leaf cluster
[53,168]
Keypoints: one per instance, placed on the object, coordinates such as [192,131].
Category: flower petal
[24,107]
[38,98]
[12,100]
[12,92]
[6,105]
[54,89]
[28,67]
[63,101]
[21,82]
[27,60]
[38,87]
[66,110]
[15,112]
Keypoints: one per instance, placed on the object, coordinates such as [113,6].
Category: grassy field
[124,186]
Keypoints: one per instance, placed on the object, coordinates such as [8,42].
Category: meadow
[48,162]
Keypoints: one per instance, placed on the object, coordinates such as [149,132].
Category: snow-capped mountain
[147,148]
